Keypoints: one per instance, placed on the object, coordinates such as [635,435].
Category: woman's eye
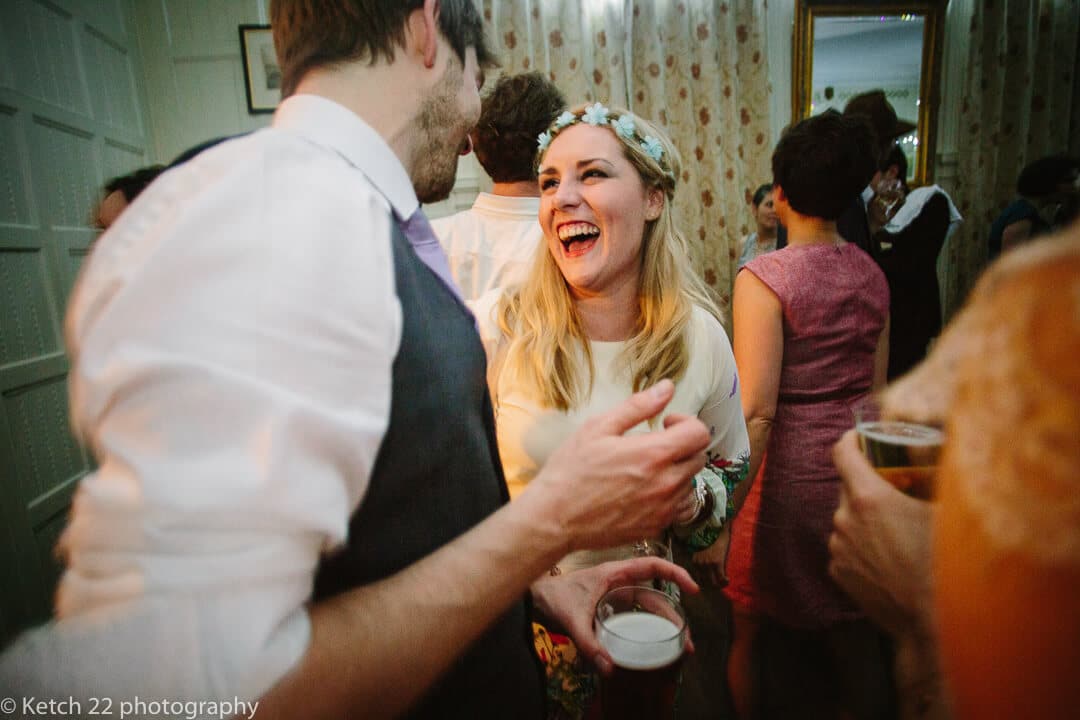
[594,173]
[546,184]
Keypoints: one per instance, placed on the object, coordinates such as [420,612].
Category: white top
[492,244]
[529,433]
[913,205]
[232,339]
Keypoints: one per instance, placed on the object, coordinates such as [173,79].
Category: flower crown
[599,116]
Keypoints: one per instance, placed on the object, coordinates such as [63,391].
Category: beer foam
[901,433]
[640,640]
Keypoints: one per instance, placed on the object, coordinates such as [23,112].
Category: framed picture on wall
[262,76]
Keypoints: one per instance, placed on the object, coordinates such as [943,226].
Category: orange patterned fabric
[571,688]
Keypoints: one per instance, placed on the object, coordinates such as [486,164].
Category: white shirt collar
[913,206]
[504,204]
[333,126]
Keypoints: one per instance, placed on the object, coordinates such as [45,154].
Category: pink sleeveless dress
[835,302]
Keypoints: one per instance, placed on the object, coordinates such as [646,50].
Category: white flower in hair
[543,140]
[595,114]
[624,126]
[652,148]
[565,119]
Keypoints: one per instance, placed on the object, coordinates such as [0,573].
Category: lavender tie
[418,232]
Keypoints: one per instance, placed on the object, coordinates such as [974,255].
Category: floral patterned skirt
[571,687]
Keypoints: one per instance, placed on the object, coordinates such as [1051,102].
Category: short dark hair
[761,192]
[513,113]
[1042,177]
[895,156]
[309,34]
[134,182]
[823,162]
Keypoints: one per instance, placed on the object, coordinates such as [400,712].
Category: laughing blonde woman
[612,305]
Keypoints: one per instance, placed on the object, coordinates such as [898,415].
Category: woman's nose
[567,194]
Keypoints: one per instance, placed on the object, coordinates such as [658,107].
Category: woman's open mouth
[577,238]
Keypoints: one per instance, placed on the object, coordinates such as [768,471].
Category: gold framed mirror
[841,49]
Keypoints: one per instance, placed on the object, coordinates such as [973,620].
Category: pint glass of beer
[905,454]
[644,631]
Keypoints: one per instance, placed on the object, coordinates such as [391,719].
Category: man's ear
[423,31]
[780,203]
[778,196]
[655,204]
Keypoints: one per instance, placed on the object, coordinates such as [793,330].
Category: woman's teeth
[573,230]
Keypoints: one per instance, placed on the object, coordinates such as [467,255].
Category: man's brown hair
[518,108]
[316,33]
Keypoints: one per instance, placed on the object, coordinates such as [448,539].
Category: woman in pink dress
[810,337]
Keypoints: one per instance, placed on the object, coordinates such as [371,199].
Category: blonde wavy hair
[547,346]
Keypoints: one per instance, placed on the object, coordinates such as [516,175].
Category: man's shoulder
[514,206]
[457,228]
[289,167]
[453,219]
[265,188]
[271,153]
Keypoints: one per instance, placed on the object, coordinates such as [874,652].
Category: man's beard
[440,120]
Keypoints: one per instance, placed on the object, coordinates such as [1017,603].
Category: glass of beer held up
[644,631]
[904,453]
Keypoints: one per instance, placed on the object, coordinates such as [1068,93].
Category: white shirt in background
[492,244]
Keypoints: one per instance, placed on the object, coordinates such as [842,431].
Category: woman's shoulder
[1020,208]
[863,275]
[707,330]
[711,363]
[779,270]
[861,260]
[704,319]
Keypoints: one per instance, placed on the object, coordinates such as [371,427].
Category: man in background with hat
[905,233]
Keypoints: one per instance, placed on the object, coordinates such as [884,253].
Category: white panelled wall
[71,115]
[193,71]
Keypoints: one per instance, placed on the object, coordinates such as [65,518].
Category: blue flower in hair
[595,114]
[624,126]
[652,148]
[565,119]
[543,140]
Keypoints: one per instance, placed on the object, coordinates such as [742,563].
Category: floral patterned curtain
[1019,104]
[697,67]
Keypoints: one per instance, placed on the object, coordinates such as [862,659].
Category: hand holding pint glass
[904,453]
[644,631]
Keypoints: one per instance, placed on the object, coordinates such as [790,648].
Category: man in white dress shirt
[492,244]
[248,371]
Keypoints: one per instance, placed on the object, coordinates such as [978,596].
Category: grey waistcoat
[436,475]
